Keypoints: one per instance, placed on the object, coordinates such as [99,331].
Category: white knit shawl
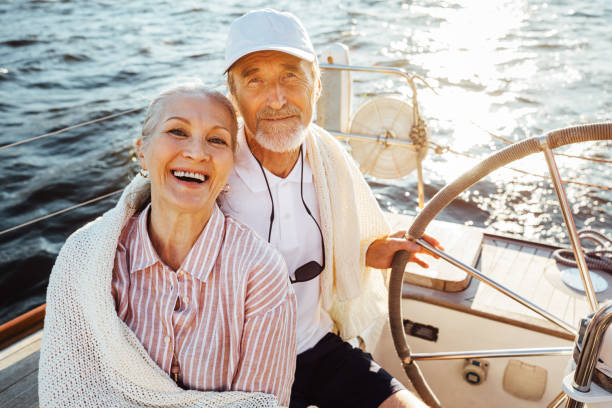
[354,295]
[89,357]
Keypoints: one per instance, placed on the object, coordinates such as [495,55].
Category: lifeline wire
[504,139]
[78,125]
[508,141]
[441,149]
[438,148]
[44,217]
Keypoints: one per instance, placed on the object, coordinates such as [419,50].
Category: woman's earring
[144,173]
[226,188]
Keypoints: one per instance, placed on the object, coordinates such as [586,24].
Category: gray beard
[281,139]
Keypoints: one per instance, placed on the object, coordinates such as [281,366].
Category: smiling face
[275,94]
[188,153]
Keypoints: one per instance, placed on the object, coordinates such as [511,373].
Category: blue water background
[515,68]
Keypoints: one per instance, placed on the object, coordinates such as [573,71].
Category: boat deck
[19,373]
[525,267]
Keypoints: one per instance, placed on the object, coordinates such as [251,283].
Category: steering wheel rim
[554,139]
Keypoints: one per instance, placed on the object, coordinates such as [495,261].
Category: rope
[418,131]
[599,258]
[418,135]
[57,132]
[44,217]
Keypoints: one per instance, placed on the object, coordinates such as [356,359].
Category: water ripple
[513,68]
[20,43]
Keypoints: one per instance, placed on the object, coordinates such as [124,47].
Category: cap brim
[305,55]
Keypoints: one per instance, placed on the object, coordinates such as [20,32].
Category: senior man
[295,185]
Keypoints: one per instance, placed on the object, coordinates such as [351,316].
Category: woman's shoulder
[237,228]
[252,249]
[75,254]
[83,237]
[96,237]
[262,267]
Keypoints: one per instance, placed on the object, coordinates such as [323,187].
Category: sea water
[510,68]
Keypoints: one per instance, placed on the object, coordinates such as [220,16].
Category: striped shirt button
[167,339]
[185,300]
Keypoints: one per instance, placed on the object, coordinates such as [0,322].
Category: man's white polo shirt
[294,233]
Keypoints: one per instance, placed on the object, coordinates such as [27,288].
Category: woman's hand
[380,252]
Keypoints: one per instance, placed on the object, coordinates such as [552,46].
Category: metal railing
[525,352]
[340,135]
[600,323]
[569,223]
[587,361]
[386,140]
[497,286]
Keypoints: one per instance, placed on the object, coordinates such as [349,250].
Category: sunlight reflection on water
[512,68]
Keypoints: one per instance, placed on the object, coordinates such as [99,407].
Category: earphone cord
[304,202]
[271,200]
[301,194]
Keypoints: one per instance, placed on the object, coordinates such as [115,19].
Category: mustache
[268,113]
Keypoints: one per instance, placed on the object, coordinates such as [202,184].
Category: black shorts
[335,374]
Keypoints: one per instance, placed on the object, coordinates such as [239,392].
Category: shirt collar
[203,254]
[247,168]
[200,259]
[147,255]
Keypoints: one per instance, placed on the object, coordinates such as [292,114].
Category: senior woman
[163,296]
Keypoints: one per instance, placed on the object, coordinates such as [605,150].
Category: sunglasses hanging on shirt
[312,269]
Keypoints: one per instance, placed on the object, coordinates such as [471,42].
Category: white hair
[194,89]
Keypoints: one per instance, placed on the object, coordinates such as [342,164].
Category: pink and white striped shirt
[227,315]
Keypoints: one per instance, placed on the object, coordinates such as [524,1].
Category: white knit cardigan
[354,295]
[89,357]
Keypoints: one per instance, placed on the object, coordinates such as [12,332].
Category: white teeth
[197,176]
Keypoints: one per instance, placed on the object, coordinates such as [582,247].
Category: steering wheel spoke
[498,286]
[558,138]
[570,225]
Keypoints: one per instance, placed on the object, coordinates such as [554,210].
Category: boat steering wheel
[511,153]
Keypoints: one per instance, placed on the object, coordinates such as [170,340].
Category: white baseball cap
[267,30]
